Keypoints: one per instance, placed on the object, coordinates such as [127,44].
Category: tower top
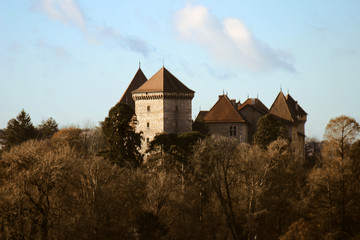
[163,81]
[136,82]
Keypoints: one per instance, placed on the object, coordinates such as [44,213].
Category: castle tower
[287,109]
[162,104]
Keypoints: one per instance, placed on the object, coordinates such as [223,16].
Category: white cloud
[229,40]
[67,11]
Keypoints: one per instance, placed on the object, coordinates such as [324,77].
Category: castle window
[232,130]
[147,124]
[148,108]
[147,140]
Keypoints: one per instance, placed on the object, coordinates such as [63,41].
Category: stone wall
[150,116]
[252,116]
[159,112]
[177,115]
[223,129]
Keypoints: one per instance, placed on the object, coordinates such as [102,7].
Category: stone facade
[234,130]
[177,115]
[162,113]
[252,116]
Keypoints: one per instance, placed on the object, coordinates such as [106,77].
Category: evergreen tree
[122,140]
[47,128]
[269,129]
[18,130]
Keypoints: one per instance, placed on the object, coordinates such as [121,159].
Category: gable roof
[138,80]
[223,111]
[163,81]
[286,108]
[256,104]
[201,115]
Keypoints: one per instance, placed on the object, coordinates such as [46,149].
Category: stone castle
[163,104]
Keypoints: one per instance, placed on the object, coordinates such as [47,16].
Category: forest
[74,183]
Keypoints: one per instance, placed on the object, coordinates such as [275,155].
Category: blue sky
[73,59]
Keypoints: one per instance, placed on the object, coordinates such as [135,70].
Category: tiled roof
[223,111]
[255,103]
[294,106]
[286,108]
[201,115]
[163,81]
[136,82]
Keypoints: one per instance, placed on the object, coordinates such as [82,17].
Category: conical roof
[224,111]
[163,81]
[286,108]
[138,80]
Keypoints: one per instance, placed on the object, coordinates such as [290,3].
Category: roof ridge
[163,81]
[227,114]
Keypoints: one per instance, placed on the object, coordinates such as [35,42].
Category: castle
[163,104]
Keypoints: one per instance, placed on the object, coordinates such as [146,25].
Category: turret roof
[163,81]
[138,80]
[286,108]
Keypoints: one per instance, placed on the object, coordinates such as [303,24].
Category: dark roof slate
[163,81]
[138,80]
[201,115]
[256,104]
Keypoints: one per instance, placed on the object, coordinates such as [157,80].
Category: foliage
[312,152]
[215,164]
[178,147]
[123,143]
[199,125]
[268,130]
[18,130]
[68,137]
[59,188]
[333,184]
[340,133]
[47,128]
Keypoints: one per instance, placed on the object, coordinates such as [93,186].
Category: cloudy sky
[73,59]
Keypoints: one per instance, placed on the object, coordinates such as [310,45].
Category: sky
[73,59]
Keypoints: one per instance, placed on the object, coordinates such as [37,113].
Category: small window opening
[148,108]
[148,124]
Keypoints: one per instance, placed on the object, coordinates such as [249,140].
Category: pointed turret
[287,108]
[163,81]
[138,80]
